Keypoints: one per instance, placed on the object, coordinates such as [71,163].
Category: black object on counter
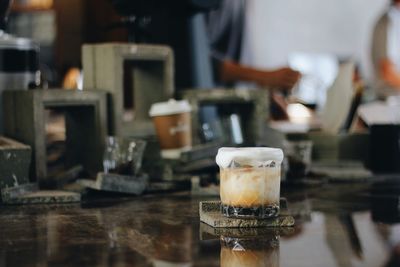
[4,10]
[172,23]
[149,7]
[385,201]
[385,148]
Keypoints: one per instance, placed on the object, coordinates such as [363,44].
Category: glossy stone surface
[334,228]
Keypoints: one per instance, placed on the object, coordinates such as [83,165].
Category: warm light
[41,3]
[298,113]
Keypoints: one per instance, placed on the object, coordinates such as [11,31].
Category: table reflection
[170,244]
[331,230]
[342,239]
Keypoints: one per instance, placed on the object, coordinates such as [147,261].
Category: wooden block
[15,159]
[13,192]
[253,108]
[211,215]
[45,197]
[152,67]
[86,125]
[198,152]
[167,186]
[68,176]
[118,183]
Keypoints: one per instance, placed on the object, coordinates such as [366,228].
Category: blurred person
[386,51]
[182,25]
[207,44]
[225,31]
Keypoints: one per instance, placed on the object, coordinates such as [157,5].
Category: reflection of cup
[250,181]
[239,252]
[178,251]
[172,121]
[298,156]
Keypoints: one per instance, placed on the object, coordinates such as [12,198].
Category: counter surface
[337,226]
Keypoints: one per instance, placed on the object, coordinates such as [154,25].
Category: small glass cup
[112,154]
[250,181]
[298,158]
[123,155]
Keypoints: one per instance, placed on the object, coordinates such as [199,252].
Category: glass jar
[123,155]
[250,181]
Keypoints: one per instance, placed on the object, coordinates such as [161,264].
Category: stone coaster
[15,159]
[210,214]
[13,192]
[117,183]
[45,197]
[208,232]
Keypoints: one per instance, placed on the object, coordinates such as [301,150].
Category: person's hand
[389,73]
[284,78]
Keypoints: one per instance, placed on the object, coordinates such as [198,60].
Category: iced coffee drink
[250,181]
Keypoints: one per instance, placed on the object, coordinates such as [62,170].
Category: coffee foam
[251,156]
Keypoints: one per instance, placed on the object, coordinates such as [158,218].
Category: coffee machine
[19,60]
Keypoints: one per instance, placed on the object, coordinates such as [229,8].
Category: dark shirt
[225,29]
[225,32]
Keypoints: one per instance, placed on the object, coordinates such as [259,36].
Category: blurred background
[274,30]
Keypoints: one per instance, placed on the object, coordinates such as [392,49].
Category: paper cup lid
[252,156]
[170,107]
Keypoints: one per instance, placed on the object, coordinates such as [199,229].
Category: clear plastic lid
[250,156]
[169,107]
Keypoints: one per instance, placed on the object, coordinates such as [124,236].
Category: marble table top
[336,225]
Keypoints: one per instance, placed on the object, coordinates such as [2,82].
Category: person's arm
[284,78]
[384,67]
[388,74]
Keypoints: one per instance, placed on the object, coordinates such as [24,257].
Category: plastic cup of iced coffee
[250,181]
[172,121]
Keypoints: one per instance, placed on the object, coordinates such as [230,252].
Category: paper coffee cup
[172,121]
